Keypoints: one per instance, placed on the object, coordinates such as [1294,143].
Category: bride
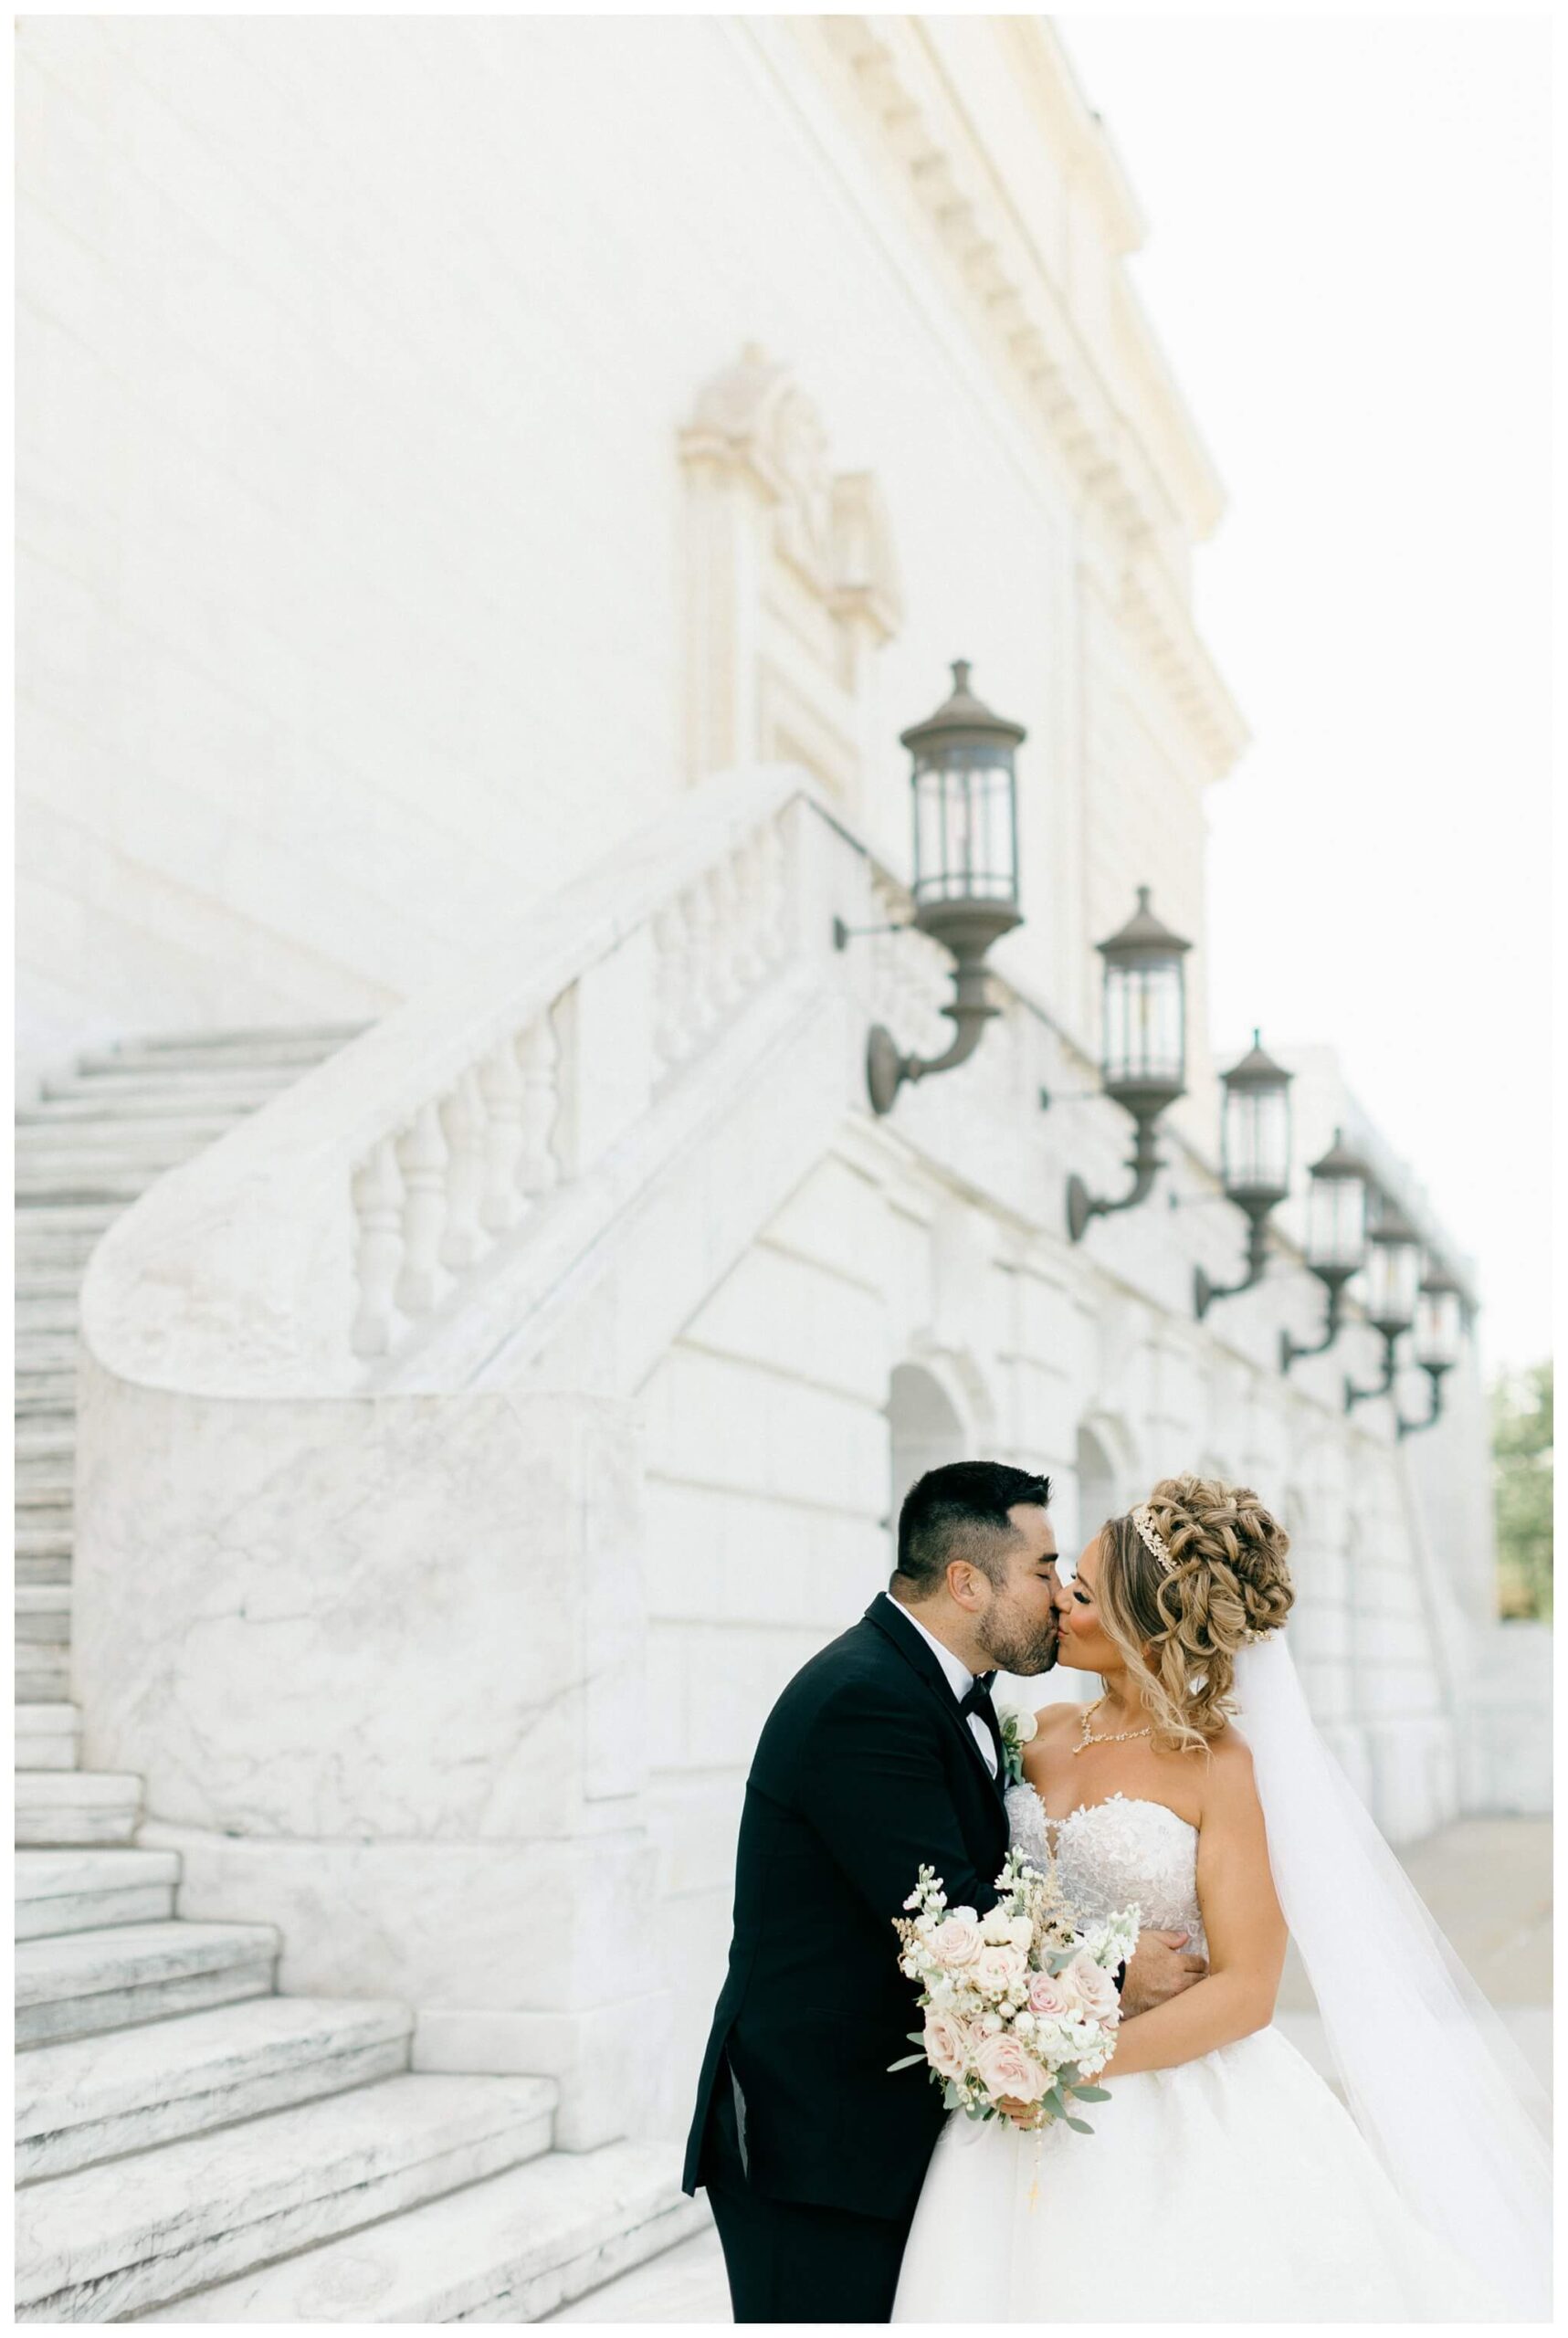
[1224,2180]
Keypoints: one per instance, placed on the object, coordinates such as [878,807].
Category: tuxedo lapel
[890,1620]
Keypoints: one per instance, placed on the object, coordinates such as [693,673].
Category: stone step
[52,1353]
[94,1118]
[323,1039]
[47,1736]
[59,1216]
[41,1396]
[54,1311]
[95,2098]
[83,1890]
[81,1982]
[45,1456]
[107,2243]
[51,1284]
[138,1088]
[43,1508]
[284,1053]
[43,1542]
[45,1445]
[43,1672]
[54,1249]
[509,2250]
[54,1128]
[43,1555]
[57,1810]
[117,1175]
[43,1612]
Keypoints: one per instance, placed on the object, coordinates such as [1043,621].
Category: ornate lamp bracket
[1292,1350]
[1434,1412]
[1379,1388]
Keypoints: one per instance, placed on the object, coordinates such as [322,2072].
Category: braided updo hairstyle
[1181,1629]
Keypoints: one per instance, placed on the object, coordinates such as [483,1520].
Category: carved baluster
[751,961]
[771,864]
[500,1086]
[463,1120]
[378,1207]
[422,1157]
[720,888]
[700,998]
[673,947]
[537,1168]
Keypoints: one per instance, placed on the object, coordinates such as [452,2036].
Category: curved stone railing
[311,1250]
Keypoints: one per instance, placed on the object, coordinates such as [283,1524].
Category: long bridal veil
[1429,2071]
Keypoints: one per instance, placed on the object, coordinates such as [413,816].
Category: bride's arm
[1246,1932]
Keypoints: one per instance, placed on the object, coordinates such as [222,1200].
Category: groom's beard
[1024,1650]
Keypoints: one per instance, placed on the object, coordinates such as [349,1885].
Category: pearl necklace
[1111,1737]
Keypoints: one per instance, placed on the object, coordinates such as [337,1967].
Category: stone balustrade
[314,1249]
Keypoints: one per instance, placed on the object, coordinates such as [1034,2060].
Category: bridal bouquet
[1020,2005]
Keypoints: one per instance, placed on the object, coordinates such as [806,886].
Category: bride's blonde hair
[1180,1627]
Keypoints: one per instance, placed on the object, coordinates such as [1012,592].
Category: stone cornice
[888,77]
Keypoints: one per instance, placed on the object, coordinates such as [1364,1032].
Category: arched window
[924,1430]
[1097,1491]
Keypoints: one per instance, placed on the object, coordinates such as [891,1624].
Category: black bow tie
[976,1698]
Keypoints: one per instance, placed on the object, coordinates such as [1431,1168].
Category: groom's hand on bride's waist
[1159,1968]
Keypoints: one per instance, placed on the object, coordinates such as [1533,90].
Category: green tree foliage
[1521,1490]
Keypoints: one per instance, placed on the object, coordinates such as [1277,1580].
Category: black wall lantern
[965,870]
[1439,1335]
[1145,1055]
[1255,1153]
[1393,1271]
[1336,1238]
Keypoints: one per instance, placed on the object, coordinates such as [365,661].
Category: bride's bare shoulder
[1228,1781]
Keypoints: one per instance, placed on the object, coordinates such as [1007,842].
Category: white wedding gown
[1233,2188]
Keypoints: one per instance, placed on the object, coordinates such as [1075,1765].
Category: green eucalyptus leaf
[1092,2094]
[1080,2126]
[908,2062]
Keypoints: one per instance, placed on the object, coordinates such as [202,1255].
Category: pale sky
[1348,268]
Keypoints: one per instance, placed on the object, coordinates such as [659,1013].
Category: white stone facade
[482,532]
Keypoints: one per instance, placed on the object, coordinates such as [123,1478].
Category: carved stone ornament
[792,580]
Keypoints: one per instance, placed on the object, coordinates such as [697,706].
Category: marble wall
[353,356]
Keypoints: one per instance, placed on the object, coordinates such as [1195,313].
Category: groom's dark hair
[959,1511]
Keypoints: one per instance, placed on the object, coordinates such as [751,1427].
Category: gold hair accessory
[1150,1537]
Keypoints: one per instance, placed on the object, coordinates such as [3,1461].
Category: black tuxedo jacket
[866,1769]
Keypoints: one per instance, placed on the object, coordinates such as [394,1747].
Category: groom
[881,1754]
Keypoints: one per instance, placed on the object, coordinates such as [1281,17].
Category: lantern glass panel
[1393,1271]
[1336,1223]
[1438,1328]
[965,842]
[1257,1138]
[1144,1024]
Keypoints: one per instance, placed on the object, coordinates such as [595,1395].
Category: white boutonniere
[1017,1727]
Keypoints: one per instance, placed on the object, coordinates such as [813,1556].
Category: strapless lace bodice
[1113,1855]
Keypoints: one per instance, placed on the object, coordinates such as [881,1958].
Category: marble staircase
[191,2145]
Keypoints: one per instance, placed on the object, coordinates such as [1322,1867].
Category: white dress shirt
[960,1680]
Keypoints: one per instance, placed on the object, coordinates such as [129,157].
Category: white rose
[1021,1933]
[1024,1725]
[996,1932]
[1094,1988]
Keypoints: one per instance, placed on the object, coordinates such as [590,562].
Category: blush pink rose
[955,1943]
[998,1970]
[1051,1997]
[1095,1988]
[948,2044]
[1007,2070]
